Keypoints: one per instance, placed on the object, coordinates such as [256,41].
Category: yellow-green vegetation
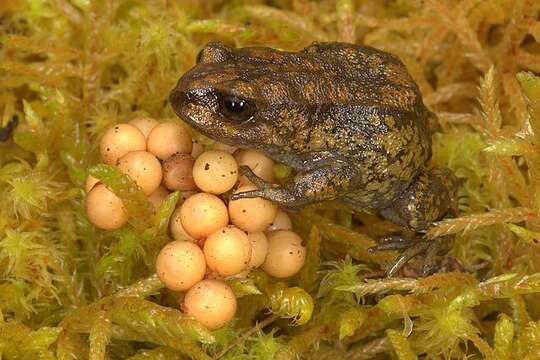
[71,68]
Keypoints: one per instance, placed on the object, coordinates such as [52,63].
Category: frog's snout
[178,99]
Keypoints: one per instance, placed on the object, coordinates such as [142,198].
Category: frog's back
[361,75]
[381,116]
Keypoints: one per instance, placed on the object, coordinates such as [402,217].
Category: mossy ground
[71,68]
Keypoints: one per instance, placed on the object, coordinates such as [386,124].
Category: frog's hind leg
[431,197]
[411,248]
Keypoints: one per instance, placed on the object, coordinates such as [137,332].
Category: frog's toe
[393,243]
[429,264]
[263,190]
[247,195]
[257,181]
[276,194]
[408,254]
[410,249]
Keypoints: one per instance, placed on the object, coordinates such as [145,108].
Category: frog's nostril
[179,98]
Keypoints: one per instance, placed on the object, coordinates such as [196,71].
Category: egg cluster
[152,154]
[213,238]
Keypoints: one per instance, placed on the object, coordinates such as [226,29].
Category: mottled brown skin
[348,118]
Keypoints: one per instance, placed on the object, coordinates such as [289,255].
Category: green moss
[71,68]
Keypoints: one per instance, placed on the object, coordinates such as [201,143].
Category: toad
[348,118]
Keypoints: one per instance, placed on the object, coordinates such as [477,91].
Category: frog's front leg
[321,184]
[431,197]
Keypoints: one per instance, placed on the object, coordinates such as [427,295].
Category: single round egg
[252,214]
[167,139]
[180,265]
[104,209]
[178,172]
[215,172]
[202,214]
[119,140]
[143,168]
[211,302]
[227,251]
[144,124]
[286,255]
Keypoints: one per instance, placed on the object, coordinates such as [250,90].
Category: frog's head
[229,97]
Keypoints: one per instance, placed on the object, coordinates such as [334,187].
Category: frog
[348,118]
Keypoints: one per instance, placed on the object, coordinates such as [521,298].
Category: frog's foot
[264,190]
[410,249]
[256,180]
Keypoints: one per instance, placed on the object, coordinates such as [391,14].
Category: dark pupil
[235,105]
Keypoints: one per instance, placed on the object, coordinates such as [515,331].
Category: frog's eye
[236,108]
[235,105]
